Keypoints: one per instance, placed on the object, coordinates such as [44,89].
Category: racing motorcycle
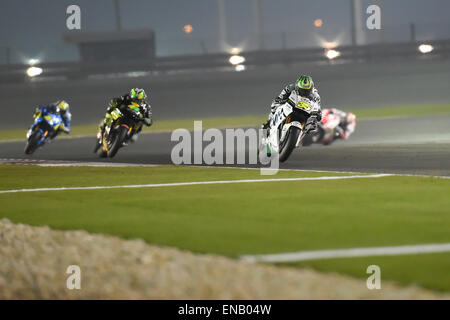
[125,123]
[45,127]
[331,127]
[289,125]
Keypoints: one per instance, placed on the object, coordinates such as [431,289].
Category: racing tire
[118,141]
[32,143]
[102,153]
[97,146]
[307,140]
[289,145]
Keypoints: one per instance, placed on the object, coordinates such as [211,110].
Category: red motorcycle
[335,124]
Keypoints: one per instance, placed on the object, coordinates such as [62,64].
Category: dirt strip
[33,263]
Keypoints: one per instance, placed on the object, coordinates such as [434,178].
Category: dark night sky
[34,27]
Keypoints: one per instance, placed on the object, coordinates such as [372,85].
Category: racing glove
[311,124]
[37,113]
[114,103]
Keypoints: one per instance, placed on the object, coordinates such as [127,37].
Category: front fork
[32,127]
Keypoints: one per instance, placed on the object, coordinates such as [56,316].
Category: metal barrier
[347,54]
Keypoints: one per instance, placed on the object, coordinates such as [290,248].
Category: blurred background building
[113,45]
[214,26]
[197,47]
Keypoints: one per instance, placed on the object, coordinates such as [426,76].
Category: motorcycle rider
[135,95]
[305,88]
[347,122]
[60,108]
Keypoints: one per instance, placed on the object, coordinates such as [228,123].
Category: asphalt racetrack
[407,145]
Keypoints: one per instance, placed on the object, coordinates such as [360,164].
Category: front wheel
[118,139]
[289,143]
[32,143]
[100,150]
[307,140]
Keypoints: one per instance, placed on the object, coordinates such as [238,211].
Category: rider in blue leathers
[61,108]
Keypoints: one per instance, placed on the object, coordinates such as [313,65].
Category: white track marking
[348,253]
[177,184]
[65,163]
[280,169]
[95,164]
[318,170]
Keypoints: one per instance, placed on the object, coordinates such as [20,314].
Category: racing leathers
[283,98]
[54,109]
[123,102]
[347,122]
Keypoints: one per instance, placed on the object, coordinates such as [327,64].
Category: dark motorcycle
[126,123]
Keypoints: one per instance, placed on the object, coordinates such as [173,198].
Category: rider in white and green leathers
[305,87]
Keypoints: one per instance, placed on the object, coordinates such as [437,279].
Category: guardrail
[366,53]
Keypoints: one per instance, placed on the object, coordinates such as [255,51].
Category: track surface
[414,145]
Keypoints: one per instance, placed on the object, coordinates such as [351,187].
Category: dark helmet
[137,94]
[304,85]
[53,108]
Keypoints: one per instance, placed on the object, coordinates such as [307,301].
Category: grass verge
[247,218]
[401,111]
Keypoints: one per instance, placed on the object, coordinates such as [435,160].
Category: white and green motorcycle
[289,124]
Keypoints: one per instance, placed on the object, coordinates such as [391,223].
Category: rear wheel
[32,143]
[118,139]
[289,143]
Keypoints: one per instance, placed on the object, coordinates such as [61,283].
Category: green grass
[247,218]
[26,176]
[240,121]
[426,270]
[399,111]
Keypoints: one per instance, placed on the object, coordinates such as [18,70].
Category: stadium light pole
[117,12]
[257,24]
[359,25]
[8,55]
[352,25]
[412,32]
[357,31]
[222,24]
[352,28]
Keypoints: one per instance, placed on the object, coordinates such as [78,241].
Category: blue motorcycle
[45,127]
